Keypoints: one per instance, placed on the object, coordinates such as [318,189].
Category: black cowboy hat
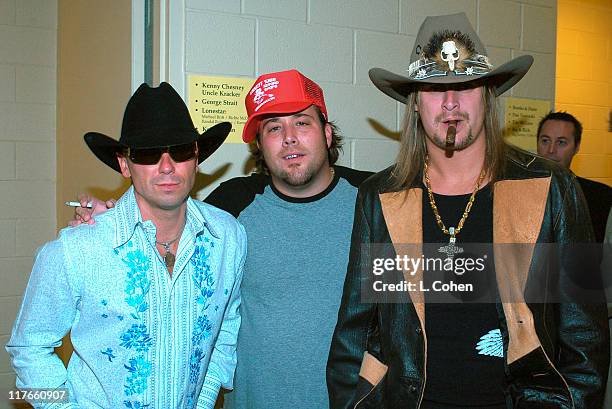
[153,118]
[447,50]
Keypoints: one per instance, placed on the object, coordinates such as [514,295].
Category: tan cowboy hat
[447,50]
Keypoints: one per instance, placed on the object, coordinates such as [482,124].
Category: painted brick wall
[584,84]
[28,31]
[337,42]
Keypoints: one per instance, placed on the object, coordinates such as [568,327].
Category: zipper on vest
[424,367]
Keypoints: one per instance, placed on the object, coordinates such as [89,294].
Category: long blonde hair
[413,150]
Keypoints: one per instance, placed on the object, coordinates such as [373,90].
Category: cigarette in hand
[78,204]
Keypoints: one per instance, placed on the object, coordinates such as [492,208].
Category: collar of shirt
[128,218]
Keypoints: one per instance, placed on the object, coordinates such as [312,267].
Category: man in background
[559,136]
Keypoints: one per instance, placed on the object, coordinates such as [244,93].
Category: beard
[302,175]
[440,140]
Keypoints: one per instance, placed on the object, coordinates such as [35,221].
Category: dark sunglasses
[151,156]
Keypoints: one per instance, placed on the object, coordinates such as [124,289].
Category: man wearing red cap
[298,212]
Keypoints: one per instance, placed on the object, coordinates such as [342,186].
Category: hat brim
[250,127]
[212,139]
[106,148]
[501,78]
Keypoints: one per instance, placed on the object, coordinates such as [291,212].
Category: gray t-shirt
[294,273]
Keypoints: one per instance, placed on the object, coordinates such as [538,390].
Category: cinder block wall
[337,42]
[28,31]
[584,84]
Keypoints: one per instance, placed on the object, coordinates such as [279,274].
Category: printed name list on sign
[521,120]
[218,99]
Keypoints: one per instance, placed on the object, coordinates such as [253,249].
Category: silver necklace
[168,255]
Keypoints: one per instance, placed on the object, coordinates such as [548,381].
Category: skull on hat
[449,49]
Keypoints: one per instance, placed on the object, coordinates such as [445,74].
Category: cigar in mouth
[450,134]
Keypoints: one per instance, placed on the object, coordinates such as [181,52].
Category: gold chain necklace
[451,249]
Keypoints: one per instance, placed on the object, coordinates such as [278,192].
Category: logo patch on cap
[261,92]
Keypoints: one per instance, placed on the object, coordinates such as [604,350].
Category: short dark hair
[333,152]
[563,116]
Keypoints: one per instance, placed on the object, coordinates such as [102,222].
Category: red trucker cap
[283,92]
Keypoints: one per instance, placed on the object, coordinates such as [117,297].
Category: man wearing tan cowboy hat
[517,330]
[298,212]
[150,292]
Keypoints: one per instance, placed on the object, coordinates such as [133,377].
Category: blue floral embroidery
[137,337]
[139,369]
[202,275]
[205,285]
[104,303]
[109,354]
[137,284]
[134,405]
[202,330]
[194,364]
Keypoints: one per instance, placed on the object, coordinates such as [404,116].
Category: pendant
[451,249]
[169,260]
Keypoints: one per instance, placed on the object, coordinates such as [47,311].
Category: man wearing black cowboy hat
[455,182]
[150,293]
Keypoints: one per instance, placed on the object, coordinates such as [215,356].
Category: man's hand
[85,215]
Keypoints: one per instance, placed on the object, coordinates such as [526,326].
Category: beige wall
[64,62]
[28,39]
[584,83]
[94,84]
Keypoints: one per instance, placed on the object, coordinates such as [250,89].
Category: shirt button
[412,389]
[419,330]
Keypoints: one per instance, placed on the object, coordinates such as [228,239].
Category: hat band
[154,137]
[423,68]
